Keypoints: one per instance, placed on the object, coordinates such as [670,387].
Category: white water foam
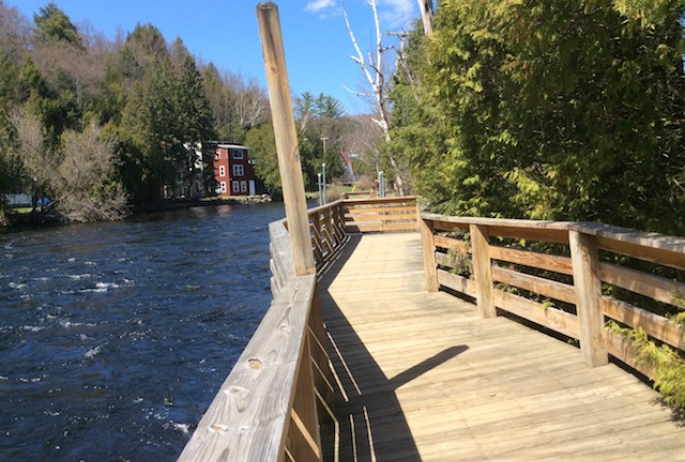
[92,352]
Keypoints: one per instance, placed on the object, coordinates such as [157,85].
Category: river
[114,337]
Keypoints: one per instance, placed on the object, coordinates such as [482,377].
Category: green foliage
[55,26]
[551,110]
[668,365]
[460,262]
[262,144]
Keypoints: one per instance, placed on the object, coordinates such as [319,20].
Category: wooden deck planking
[424,378]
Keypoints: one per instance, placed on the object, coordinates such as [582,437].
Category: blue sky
[317,44]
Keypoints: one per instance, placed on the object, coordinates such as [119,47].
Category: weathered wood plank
[553,235]
[380,217]
[547,262]
[482,270]
[380,227]
[500,222]
[560,321]
[406,209]
[542,286]
[589,290]
[654,325]
[451,243]
[430,266]
[653,247]
[621,348]
[285,133]
[457,283]
[380,200]
[247,419]
[660,289]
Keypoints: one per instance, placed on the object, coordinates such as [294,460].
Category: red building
[233,171]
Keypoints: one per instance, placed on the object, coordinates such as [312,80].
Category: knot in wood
[254,363]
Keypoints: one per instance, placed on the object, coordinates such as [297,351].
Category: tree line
[98,125]
[547,110]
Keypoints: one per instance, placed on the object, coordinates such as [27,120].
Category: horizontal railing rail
[395,214]
[571,278]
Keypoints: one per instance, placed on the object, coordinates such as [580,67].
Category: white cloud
[316,6]
[397,13]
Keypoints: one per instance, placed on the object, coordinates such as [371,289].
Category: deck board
[423,378]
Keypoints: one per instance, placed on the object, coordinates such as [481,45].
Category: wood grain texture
[654,325]
[589,291]
[542,286]
[552,318]
[451,243]
[430,266]
[655,241]
[556,263]
[457,283]
[424,378]
[407,200]
[288,151]
[482,270]
[249,417]
[658,288]
[282,266]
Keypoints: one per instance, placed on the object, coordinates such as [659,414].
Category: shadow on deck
[421,377]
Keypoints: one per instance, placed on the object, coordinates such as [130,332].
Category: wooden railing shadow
[368,422]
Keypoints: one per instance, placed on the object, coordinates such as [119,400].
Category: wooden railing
[579,278]
[380,215]
[266,410]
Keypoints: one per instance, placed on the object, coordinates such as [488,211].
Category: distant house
[233,171]
[188,178]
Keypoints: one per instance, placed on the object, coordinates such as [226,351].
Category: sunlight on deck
[422,378]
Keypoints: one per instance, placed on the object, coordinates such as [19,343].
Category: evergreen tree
[55,26]
[557,110]
[196,125]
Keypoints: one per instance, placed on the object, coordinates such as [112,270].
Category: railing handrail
[585,240]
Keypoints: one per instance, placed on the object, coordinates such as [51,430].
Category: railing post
[289,162]
[585,258]
[429,264]
[482,271]
[328,229]
[316,238]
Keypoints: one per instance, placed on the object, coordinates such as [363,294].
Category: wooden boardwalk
[422,378]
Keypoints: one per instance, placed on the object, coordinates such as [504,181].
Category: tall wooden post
[585,258]
[289,163]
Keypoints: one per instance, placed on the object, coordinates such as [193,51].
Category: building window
[237,154]
[238,170]
[236,187]
[243,186]
[222,170]
[223,187]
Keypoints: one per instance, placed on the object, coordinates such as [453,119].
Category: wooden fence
[395,214]
[579,277]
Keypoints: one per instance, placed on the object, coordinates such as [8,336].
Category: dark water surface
[115,337]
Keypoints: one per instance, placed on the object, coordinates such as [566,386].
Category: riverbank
[37,218]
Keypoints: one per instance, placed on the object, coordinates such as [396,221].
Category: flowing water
[115,337]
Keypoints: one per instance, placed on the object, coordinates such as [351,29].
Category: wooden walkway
[422,378]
